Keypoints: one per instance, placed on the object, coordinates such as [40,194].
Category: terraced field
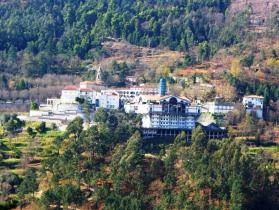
[21,151]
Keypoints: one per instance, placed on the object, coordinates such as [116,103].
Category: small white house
[254,103]
[89,94]
[109,100]
[217,107]
[69,94]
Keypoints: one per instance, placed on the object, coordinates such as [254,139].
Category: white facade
[69,94]
[195,109]
[164,112]
[255,104]
[106,99]
[109,100]
[132,92]
[89,94]
[67,107]
[168,121]
[217,107]
[253,101]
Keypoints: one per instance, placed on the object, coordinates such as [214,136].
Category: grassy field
[21,151]
[272,150]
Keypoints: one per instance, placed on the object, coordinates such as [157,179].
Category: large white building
[164,115]
[67,107]
[105,98]
[254,103]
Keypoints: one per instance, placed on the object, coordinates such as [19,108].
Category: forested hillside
[39,38]
[108,166]
[38,35]
[205,49]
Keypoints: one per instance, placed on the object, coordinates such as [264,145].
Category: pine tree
[236,200]
[266,96]
[180,139]
[29,183]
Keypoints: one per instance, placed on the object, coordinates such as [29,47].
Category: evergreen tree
[180,139]
[199,140]
[34,105]
[75,127]
[29,183]
[236,194]
[101,116]
[41,128]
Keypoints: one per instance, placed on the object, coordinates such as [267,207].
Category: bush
[248,61]
[66,195]
[41,128]
[53,126]
[34,105]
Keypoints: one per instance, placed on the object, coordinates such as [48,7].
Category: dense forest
[39,37]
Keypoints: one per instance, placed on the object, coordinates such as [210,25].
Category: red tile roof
[254,96]
[88,82]
[87,90]
[70,87]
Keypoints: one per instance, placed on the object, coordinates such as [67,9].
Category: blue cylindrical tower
[163,87]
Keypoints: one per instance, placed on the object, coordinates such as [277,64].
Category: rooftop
[137,87]
[159,97]
[254,96]
[87,90]
[71,87]
[219,103]
[111,93]
[87,82]
[212,127]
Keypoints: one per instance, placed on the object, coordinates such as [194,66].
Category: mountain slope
[75,27]
[262,12]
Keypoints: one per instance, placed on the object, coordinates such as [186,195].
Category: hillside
[261,12]
[64,34]
[102,168]
[155,38]
[78,29]
[143,59]
[145,153]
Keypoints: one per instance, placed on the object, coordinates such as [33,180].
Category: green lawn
[271,149]
[11,160]
[10,163]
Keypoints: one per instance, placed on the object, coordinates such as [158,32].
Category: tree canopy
[45,36]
